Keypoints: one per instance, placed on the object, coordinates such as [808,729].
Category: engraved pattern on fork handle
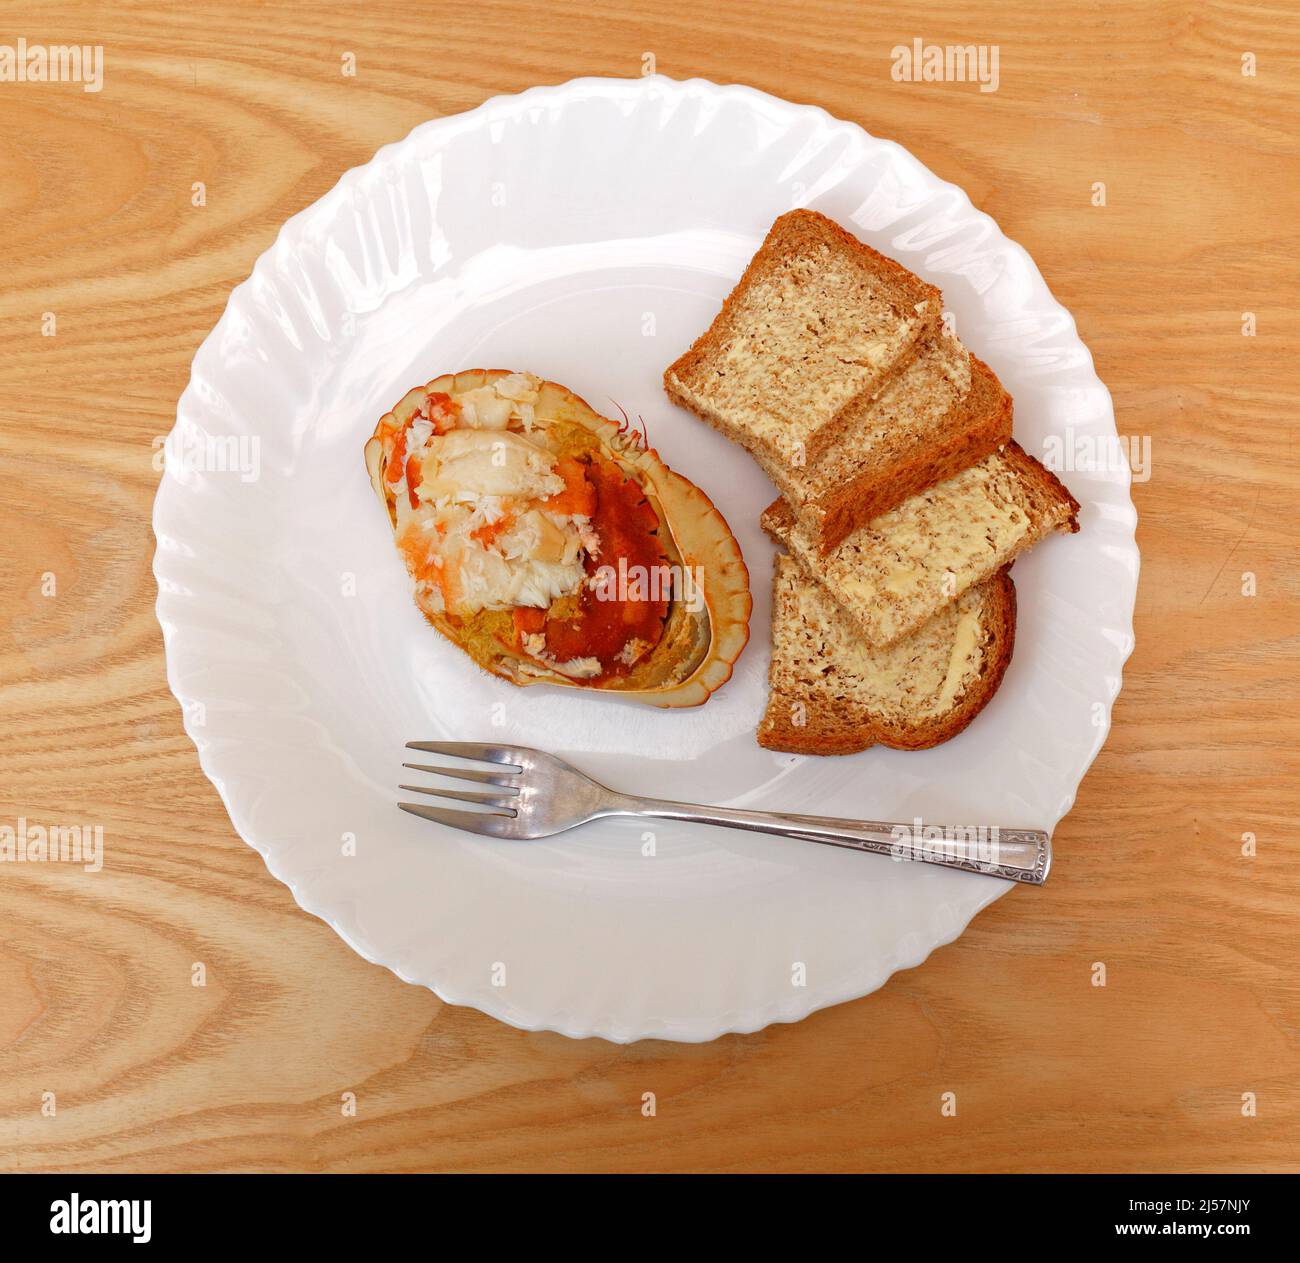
[1023,855]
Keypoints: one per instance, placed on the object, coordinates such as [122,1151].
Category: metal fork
[538,794]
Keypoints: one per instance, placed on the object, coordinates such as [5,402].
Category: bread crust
[1048,490]
[910,452]
[974,427]
[905,290]
[779,517]
[999,622]
[1045,491]
[827,733]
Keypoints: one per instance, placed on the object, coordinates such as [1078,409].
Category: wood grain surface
[1202,1002]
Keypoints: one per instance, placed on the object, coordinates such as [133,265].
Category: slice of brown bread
[944,412]
[896,572]
[831,694]
[818,323]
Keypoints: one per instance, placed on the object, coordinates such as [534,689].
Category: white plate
[587,233]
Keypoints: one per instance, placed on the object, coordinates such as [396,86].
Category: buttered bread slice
[901,569]
[945,412]
[817,324]
[832,694]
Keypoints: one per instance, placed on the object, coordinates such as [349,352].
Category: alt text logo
[53,63]
[1098,453]
[666,582]
[27,843]
[920,62]
[191,449]
[921,841]
[122,1218]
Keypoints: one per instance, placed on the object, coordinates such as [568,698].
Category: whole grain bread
[945,412]
[901,569]
[829,693]
[818,325]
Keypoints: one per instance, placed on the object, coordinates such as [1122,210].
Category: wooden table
[1201,1003]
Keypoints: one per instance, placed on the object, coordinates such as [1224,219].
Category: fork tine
[473,821]
[468,750]
[465,795]
[467,774]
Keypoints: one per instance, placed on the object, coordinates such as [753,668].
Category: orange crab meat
[397,460]
[610,617]
[529,620]
[579,494]
[488,532]
[444,412]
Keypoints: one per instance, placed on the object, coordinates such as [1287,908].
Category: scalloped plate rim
[761,1016]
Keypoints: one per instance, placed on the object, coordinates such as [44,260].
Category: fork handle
[1023,855]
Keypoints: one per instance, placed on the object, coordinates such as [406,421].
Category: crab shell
[694,656]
